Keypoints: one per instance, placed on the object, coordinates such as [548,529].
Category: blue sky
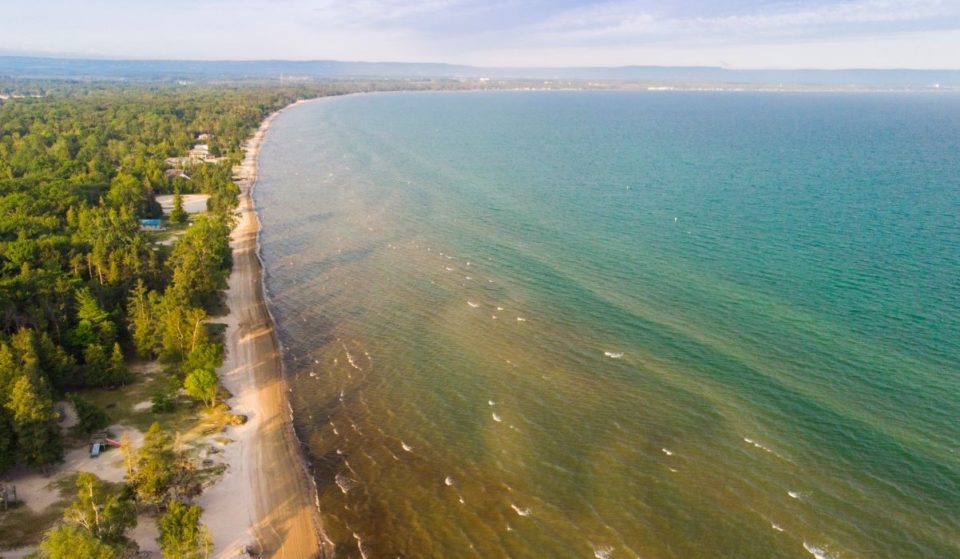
[730,33]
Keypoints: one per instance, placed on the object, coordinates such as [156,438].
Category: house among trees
[176,173]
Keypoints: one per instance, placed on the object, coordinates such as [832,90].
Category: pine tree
[96,365]
[155,467]
[118,371]
[140,313]
[7,441]
[34,422]
[178,214]
[182,536]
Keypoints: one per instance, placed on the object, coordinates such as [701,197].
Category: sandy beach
[265,500]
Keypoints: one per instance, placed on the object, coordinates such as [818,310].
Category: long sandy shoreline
[265,500]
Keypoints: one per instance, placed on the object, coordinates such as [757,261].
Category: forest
[85,291]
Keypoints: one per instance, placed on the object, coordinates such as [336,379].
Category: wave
[472,304]
[345,483]
[519,510]
[613,354]
[818,552]
[602,551]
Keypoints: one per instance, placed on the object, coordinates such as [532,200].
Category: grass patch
[121,404]
[21,526]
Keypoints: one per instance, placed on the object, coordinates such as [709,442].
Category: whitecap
[496,417]
[613,354]
[490,402]
[448,480]
[521,319]
[776,527]
[794,494]
[461,500]
[667,451]
[818,552]
[499,308]
[449,269]
[344,483]
[602,551]
[520,511]
[406,447]
[472,304]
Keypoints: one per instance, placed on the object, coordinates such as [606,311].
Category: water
[610,324]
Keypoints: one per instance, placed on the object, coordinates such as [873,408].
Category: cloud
[633,20]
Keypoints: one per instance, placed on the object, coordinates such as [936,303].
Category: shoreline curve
[266,501]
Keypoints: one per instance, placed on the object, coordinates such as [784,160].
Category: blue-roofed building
[151,225]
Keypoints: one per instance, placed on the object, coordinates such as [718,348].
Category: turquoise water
[623,324]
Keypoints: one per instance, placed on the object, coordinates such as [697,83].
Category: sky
[504,33]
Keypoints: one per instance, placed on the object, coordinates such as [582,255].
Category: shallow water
[610,324]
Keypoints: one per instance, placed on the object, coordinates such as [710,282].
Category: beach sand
[265,499]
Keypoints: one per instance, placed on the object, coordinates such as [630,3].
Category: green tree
[182,536]
[93,323]
[100,511]
[118,371]
[204,356]
[141,304]
[34,422]
[202,384]
[154,471]
[126,192]
[90,417]
[96,365]
[7,441]
[72,542]
[178,214]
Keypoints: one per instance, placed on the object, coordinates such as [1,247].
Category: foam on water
[345,483]
[817,551]
[520,510]
[602,551]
